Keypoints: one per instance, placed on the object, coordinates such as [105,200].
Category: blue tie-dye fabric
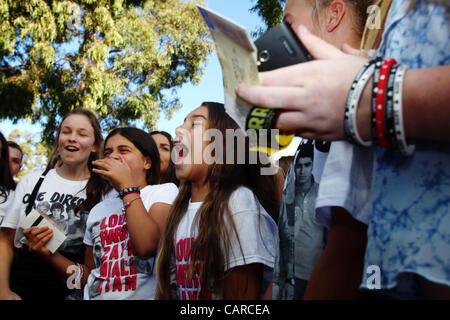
[410,226]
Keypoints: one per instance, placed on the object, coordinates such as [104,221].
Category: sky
[209,89]
[211,86]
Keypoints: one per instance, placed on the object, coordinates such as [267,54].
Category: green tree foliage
[271,12]
[121,59]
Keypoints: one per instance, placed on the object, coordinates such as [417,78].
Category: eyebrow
[69,127]
[195,116]
[121,146]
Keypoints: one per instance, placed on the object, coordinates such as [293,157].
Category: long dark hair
[7,182]
[213,231]
[169,175]
[96,187]
[144,142]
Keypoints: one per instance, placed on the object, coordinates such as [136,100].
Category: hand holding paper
[36,227]
[38,239]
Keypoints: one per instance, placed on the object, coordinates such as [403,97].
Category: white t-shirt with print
[57,197]
[5,204]
[257,235]
[120,273]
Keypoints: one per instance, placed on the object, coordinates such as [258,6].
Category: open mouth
[180,152]
[71,148]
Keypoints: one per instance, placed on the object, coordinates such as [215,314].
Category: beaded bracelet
[129,190]
[350,124]
[380,103]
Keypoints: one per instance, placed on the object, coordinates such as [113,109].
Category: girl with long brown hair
[7,183]
[220,237]
[164,142]
[138,214]
[69,181]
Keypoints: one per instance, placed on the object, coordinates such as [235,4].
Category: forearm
[426,106]
[62,265]
[6,257]
[426,103]
[144,231]
[244,282]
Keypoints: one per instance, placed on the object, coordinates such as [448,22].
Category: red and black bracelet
[380,103]
[389,108]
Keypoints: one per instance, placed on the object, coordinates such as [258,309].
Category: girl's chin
[74,161]
[179,172]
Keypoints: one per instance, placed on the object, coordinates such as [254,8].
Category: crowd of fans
[361,211]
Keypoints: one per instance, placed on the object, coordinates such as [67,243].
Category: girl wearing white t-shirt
[123,231]
[31,270]
[7,184]
[220,240]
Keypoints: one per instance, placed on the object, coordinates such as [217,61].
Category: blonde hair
[371,38]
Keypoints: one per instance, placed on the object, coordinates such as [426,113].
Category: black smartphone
[280,47]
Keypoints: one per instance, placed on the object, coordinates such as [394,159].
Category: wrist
[127,191]
[409,114]
[125,185]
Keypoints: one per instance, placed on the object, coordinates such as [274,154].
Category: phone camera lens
[264,56]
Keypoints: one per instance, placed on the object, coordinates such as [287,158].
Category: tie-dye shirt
[409,229]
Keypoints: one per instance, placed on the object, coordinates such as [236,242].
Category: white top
[6,204]
[57,197]
[120,273]
[257,234]
[346,182]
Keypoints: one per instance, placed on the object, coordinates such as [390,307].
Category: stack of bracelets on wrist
[80,273]
[386,110]
[127,191]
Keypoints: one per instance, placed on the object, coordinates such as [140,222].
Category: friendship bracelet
[350,124]
[126,205]
[376,77]
[129,190]
[79,279]
[404,148]
[380,102]
[389,108]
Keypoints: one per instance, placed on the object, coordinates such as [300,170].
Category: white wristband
[404,148]
[352,105]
